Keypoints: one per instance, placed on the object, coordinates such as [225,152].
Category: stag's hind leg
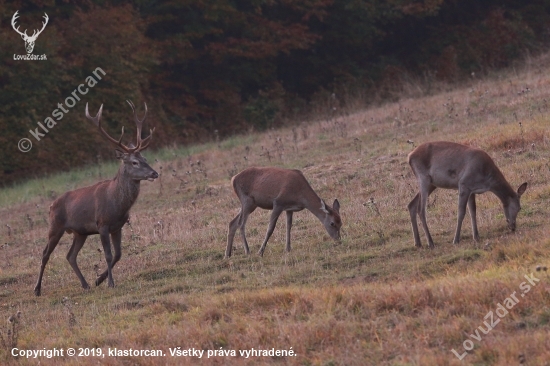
[53,239]
[78,242]
[116,238]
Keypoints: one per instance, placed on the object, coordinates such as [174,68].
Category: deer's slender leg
[53,238]
[116,238]
[288,227]
[106,243]
[425,190]
[248,207]
[78,242]
[472,209]
[414,208]
[233,226]
[272,222]
[463,198]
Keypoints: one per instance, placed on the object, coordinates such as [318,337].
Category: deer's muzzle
[154,175]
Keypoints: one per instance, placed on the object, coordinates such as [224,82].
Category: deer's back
[267,184]
[448,163]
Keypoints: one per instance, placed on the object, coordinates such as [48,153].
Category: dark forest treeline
[224,65]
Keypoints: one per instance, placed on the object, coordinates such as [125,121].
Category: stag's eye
[135,163]
[332,224]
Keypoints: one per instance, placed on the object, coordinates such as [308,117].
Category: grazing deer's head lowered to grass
[443,164]
[279,190]
[29,40]
[102,208]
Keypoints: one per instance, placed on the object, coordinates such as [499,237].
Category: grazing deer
[279,190]
[450,165]
[102,208]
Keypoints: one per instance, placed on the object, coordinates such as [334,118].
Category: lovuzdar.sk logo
[29,40]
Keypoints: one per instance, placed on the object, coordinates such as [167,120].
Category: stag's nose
[154,175]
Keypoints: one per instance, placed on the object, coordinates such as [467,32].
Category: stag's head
[135,165]
[29,40]
[332,221]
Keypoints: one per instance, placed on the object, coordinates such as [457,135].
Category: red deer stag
[102,208]
[278,190]
[450,165]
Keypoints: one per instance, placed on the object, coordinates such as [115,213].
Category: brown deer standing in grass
[102,208]
[450,165]
[279,190]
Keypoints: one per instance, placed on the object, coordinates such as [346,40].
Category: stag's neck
[126,190]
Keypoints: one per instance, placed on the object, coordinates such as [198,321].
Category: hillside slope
[374,299]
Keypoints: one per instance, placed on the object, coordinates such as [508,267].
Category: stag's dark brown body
[102,208]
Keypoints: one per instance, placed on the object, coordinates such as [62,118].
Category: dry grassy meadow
[374,299]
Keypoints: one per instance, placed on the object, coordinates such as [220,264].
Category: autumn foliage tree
[229,66]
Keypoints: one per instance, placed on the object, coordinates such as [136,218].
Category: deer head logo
[29,40]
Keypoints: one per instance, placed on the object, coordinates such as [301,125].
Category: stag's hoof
[37,291]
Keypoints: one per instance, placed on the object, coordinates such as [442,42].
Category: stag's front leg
[104,235]
[116,238]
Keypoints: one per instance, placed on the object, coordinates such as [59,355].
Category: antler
[43,26]
[24,34]
[13,20]
[97,121]
[139,124]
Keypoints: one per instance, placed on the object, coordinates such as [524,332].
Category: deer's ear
[336,206]
[119,154]
[521,189]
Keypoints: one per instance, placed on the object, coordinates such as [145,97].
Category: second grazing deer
[449,165]
[102,208]
[279,190]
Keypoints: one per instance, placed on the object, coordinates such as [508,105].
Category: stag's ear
[336,206]
[521,189]
[120,154]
